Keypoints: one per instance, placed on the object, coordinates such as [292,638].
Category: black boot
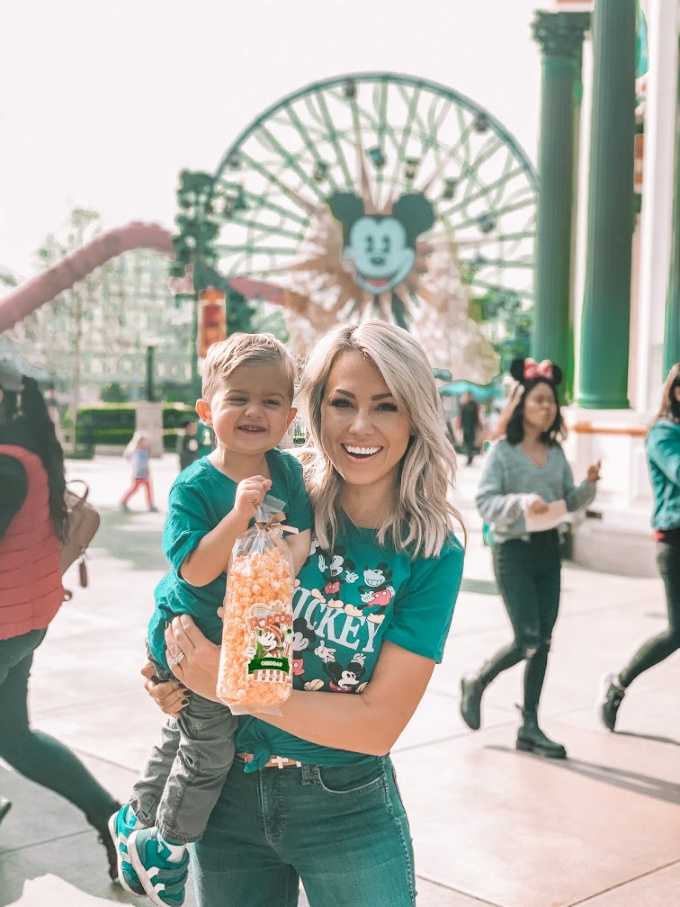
[531,739]
[471,690]
[104,837]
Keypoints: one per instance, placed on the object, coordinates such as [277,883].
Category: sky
[103,103]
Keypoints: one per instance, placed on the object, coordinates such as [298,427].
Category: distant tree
[114,392]
[7,279]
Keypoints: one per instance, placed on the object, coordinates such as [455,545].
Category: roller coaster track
[48,285]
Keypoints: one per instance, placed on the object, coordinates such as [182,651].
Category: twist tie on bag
[268,517]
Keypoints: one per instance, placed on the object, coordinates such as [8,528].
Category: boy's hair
[245,349]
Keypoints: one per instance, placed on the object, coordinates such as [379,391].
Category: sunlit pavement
[491,826]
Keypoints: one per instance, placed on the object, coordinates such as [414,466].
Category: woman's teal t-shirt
[200,498]
[347,603]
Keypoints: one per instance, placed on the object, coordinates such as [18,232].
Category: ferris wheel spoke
[506,209]
[332,136]
[485,191]
[263,202]
[511,264]
[507,177]
[290,161]
[405,136]
[470,175]
[326,173]
[300,200]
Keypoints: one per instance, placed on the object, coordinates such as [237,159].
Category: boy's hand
[250,495]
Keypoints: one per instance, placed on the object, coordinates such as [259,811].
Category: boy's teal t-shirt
[200,498]
[347,603]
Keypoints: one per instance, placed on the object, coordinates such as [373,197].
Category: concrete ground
[491,826]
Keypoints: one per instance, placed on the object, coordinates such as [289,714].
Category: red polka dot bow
[538,369]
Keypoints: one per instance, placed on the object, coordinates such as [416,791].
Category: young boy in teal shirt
[248,386]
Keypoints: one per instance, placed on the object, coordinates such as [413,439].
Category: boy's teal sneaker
[121,826]
[163,880]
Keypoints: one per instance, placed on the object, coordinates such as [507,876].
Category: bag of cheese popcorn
[256,660]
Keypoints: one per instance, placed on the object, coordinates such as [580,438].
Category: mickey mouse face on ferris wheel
[381,246]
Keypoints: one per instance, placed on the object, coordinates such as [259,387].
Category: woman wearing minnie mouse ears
[525,472]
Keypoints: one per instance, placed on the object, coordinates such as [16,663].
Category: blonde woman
[663,460]
[312,794]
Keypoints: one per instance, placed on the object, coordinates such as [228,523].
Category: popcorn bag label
[270,641]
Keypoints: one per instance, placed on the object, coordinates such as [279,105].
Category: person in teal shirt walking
[312,794]
[663,459]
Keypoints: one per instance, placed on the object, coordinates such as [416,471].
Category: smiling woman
[372,610]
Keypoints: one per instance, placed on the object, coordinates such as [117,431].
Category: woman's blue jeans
[343,831]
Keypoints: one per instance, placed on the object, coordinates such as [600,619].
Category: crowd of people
[378,555]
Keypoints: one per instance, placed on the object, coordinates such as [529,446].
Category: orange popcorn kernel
[255,658]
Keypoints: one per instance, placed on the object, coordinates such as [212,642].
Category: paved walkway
[491,826]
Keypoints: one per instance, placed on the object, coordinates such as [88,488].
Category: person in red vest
[33,521]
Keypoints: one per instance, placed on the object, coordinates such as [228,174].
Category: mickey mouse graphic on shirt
[303,637]
[376,593]
[343,680]
[382,247]
[347,680]
[332,571]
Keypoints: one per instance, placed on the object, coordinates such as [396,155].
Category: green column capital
[560,34]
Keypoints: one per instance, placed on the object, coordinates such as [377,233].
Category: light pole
[151,344]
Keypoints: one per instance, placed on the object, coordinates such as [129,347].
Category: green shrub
[114,423]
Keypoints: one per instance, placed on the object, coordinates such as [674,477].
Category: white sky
[102,102]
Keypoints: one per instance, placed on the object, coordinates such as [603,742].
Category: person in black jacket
[187,444]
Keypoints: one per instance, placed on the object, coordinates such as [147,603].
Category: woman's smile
[360,453]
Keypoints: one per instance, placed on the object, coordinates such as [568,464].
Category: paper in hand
[554,515]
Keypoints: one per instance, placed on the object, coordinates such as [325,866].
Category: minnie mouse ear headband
[526,370]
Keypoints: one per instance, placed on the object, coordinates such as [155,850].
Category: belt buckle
[280,762]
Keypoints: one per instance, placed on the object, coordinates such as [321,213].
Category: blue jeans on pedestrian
[35,755]
[341,830]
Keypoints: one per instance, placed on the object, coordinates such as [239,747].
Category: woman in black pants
[33,523]
[663,460]
[525,472]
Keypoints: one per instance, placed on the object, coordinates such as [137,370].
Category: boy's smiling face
[250,410]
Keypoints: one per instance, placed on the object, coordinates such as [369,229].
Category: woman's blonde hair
[422,517]
[670,408]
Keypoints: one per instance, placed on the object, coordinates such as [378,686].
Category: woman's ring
[176,660]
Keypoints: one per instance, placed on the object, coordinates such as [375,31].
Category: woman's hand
[594,472]
[536,506]
[170,697]
[198,657]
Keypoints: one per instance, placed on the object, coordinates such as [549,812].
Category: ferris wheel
[340,194]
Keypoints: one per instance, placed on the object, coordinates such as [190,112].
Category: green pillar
[671,340]
[605,329]
[561,38]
